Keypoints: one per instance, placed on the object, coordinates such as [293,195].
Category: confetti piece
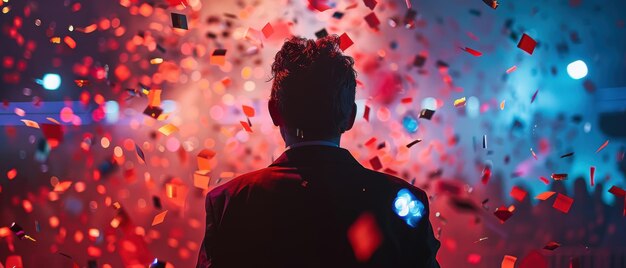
[493,4]
[246,126]
[502,105]
[366,113]
[218,57]
[484,141]
[179,21]
[413,143]
[545,195]
[371,4]
[474,53]
[364,236]
[527,44]
[503,214]
[372,20]
[567,155]
[19,112]
[486,175]
[155,61]
[201,179]
[19,232]
[159,218]
[319,5]
[30,123]
[592,172]
[518,193]
[533,153]
[69,42]
[512,69]
[459,102]
[267,30]
[55,40]
[559,176]
[156,202]
[154,97]
[62,186]
[153,111]
[345,42]
[602,146]
[552,245]
[168,129]
[534,96]
[617,191]
[53,120]
[140,153]
[321,33]
[508,261]
[406,100]
[203,158]
[247,110]
[563,203]
[426,113]
[419,61]
[481,239]
[11,174]
[376,164]
[81,82]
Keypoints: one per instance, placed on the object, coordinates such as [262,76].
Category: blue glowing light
[410,123]
[408,207]
[577,69]
[51,81]
[111,111]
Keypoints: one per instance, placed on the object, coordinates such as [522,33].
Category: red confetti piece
[366,113]
[486,175]
[370,141]
[617,191]
[527,44]
[267,30]
[559,176]
[518,193]
[376,164]
[345,42]
[544,180]
[563,203]
[370,3]
[503,214]
[407,100]
[592,172]
[247,110]
[602,146]
[512,69]
[319,5]
[475,53]
[246,126]
[159,218]
[372,20]
[364,236]
[552,245]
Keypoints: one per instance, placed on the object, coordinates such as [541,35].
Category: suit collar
[313,155]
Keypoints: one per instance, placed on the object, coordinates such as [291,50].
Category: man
[316,206]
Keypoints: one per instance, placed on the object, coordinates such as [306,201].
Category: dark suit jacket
[297,213]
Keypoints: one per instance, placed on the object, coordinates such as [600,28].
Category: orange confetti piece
[12,174]
[502,105]
[545,195]
[201,179]
[30,123]
[168,129]
[69,42]
[602,146]
[88,29]
[204,157]
[156,61]
[55,40]
[154,97]
[248,111]
[62,186]
[508,261]
[53,120]
[159,218]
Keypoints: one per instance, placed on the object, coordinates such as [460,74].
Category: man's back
[315,206]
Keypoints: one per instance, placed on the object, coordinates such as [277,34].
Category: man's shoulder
[395,183]
[240,182]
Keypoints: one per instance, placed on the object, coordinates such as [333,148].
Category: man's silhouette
[316,206]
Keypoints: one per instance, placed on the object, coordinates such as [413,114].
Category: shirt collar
[309,143]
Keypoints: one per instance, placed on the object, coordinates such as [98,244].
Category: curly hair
[314,86]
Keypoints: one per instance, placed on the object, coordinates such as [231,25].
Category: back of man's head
[314,86]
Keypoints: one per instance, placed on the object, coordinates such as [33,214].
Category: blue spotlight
[410,123]
[577,69]
[50,81]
